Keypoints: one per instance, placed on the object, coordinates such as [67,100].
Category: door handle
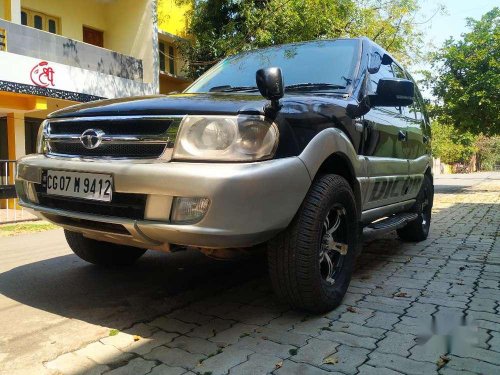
[402,136]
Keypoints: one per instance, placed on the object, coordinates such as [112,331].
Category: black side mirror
[270,84]
[393,92]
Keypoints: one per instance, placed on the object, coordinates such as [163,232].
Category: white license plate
[92,186]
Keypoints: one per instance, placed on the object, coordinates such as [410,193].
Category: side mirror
[393,92]
[270,84]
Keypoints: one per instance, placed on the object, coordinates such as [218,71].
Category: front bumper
[250,202]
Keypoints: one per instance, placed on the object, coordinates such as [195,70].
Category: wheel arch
[331,151]
[339,164]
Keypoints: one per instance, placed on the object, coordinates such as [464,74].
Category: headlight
[226,138]
[40,139]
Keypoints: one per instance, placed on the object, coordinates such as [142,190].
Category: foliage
[224,27]
[452,145]
[488,152]
[467,77]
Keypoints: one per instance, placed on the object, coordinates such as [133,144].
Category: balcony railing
[27,41]
[10,211]
[7,172]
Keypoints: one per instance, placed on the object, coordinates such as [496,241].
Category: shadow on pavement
[117,297]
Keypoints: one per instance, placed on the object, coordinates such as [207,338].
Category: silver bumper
[250,202]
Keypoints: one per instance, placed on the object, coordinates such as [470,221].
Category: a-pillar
[16,143]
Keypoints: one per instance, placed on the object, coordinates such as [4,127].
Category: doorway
[93,36]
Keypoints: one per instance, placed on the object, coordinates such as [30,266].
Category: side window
[416,110]
[385,71]
[398,72]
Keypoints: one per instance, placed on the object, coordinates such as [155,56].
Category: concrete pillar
[15,135]
[15,143]
[12,10]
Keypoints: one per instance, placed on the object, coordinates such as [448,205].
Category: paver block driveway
[423,308]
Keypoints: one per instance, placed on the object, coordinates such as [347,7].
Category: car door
[385,135]
[417,147]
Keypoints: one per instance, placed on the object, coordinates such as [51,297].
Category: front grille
[142,126]
[138,137]
[134,150]
[123,205]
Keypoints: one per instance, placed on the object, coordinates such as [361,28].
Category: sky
[441,26]
[452,23]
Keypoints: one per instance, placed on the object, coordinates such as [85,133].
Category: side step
[387,225]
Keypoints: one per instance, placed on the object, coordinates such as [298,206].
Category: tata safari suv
[301,148]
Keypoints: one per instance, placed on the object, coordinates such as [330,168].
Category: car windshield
[323,66]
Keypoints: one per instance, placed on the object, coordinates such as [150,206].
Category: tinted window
[398,72]
[330,62]
[385,71]
[419,105]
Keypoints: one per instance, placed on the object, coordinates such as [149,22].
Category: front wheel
[102,253]
[311,262]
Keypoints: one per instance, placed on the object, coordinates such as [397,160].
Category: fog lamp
[188,210]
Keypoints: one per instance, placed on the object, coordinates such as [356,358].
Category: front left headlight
[40,139]
[226,138]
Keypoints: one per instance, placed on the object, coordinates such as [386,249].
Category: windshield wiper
[229,88]
[314,86]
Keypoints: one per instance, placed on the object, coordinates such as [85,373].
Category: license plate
[98,187]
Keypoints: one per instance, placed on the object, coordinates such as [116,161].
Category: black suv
[338,147]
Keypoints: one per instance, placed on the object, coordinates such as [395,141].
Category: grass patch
[27,227]
[113,332]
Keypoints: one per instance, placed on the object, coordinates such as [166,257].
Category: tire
[299,257]
[102,253]
[418,229]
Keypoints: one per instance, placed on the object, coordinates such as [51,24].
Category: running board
[387,225]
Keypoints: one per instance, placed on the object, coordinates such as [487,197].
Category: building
[172,28]
[55,53]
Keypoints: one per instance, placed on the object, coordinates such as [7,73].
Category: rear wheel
[311,262]
[102,253]
[418,229]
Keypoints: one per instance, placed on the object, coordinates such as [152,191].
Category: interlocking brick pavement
[414,308]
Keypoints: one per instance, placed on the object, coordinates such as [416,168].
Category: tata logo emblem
[91,138]
[42,74]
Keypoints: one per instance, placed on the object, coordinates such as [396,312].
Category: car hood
[177,104]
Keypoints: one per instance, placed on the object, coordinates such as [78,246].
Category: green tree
[467,78]
[488,154]
[452,145]
[223,27]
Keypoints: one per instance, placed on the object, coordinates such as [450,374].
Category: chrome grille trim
[123,139]
[167,138]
